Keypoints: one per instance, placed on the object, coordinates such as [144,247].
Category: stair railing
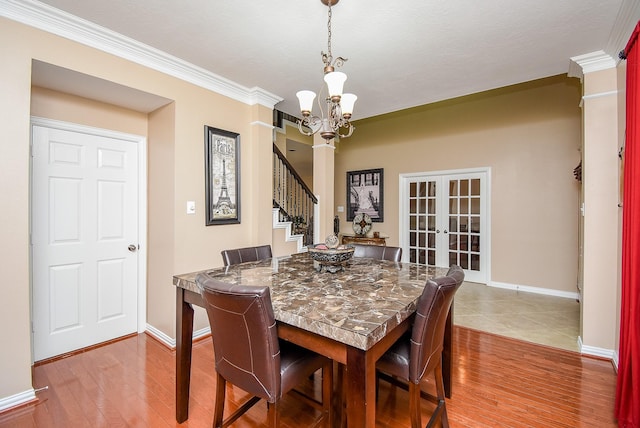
[293,198]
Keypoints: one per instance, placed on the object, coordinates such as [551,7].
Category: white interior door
[444,221]
[84,226]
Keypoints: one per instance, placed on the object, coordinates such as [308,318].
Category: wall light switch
[191,207]
[340,209]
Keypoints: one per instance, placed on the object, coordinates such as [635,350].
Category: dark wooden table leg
[361,393]
[184,337]
[447,354]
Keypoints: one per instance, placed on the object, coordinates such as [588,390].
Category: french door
[444,220]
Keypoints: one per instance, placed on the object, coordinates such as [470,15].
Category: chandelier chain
[330,56]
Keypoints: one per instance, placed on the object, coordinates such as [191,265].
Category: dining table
[352,316]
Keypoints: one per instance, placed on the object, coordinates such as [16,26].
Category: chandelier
[339,105]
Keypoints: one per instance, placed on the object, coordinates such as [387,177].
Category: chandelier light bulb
[306,101]
[335,81]
[346,103]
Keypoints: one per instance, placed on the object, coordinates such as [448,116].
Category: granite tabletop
[357,306]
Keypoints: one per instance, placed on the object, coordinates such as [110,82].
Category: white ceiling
[400,53]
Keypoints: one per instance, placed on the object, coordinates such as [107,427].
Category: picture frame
[222,176]
[365,194]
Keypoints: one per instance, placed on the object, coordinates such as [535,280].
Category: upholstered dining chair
[418,353]
[378,252]
[247,254]
[249,355]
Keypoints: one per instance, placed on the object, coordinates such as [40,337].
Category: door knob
[437,230]
[132,248]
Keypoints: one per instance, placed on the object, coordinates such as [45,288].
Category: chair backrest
[378,252]
[247,254]
[427,337]
[245,338]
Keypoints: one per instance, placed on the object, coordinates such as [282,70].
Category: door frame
[141,144]
[403,210]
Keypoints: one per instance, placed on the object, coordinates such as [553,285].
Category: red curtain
[628,386]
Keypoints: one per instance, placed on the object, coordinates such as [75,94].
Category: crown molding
[588,63]
[60,23]
[626,21]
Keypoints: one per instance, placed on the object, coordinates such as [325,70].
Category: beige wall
[600,172]
[69,108]
[177,242]
[529,135]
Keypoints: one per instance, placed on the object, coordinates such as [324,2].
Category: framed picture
[222,176]
[365,194]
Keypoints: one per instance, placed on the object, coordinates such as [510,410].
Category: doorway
[444,220]
[87,236]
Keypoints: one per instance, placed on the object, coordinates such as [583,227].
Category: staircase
[294,205]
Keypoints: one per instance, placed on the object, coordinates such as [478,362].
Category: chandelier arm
[348,134]
[311,122]
[302,131]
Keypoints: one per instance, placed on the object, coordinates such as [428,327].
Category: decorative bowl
[330,259]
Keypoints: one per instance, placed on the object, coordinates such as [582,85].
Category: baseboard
[171,342]
[608,354]
[16,400]
[536,290]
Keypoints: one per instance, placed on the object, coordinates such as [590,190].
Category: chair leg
[272,414]
[414,405]
[221,385]
[441,410]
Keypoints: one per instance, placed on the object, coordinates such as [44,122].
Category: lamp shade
[306,100]
[346,103]
[335,81]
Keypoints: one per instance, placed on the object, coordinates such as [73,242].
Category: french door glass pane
[475,187]
[475,223]
[432,222]
[464,205]
[464,187]
[453,224]
[432,188]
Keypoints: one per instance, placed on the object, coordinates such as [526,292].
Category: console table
[364,240]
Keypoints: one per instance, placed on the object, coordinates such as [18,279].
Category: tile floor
[547,320]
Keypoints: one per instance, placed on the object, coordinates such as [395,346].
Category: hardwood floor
[498,382]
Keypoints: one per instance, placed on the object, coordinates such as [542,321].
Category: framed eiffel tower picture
[222,176]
